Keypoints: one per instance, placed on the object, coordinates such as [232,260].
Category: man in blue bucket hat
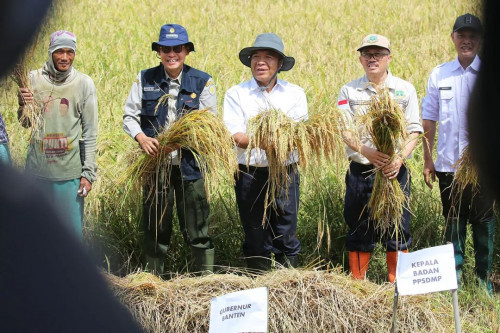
[266,58]
[188,89]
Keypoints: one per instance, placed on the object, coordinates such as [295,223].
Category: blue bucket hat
[172,35]
[267,41]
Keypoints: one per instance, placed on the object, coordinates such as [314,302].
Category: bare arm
[429,137]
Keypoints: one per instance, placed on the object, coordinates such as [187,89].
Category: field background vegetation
[114,44]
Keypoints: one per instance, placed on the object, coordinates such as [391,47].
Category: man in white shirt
[353,101]
[242,102]
[446,102]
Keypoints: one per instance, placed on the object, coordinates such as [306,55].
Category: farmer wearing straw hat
[353,100]
[188,89]
[446,102]
[61,154]
[265,91]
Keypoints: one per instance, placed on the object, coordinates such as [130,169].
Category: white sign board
[241,311]
[425,271]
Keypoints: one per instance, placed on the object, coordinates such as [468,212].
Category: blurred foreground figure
[47,283]
[448,90]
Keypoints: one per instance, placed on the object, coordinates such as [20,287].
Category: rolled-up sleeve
[133,105]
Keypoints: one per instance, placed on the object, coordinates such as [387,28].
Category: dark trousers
[475,208]
[278,235]
[192,213]
[362,235]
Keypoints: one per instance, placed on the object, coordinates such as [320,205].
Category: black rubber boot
[286,261]
[258,264]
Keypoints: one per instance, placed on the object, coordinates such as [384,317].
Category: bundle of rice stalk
[466,173]
[319,138]
[275,133]
[280,137]
[385,122]
[202,133]
[466,177]
[31,115]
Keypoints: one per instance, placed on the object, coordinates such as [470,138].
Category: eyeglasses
[376,56]
[168,49]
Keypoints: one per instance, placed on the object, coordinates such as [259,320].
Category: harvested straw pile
[200,132]
[385,123]
[299,301]
[281,137]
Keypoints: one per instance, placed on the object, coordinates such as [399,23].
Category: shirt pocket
[149,102]
[446,95]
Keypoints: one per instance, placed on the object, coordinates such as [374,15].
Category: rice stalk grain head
[386,124]
[466,179]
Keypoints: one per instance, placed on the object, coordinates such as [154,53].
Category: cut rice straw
[385,123]
[30,115]
[282,139]
[200,132]
[466,176]
[299,301]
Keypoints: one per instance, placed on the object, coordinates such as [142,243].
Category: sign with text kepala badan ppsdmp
[425,271]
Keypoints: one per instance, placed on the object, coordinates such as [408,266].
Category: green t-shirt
[65,146]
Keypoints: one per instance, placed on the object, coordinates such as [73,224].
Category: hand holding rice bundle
[386,123]
[280,137]
[198,131]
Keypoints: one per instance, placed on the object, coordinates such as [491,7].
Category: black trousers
[362,235]
[192,213]
[278,235]
[473,208]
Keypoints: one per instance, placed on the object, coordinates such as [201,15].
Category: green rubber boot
[203,260]
[154,265]
[483,235]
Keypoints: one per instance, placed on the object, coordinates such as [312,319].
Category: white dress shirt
[446,102]
[246,100]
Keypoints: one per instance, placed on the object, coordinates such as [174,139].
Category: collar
[475,65]
[365,83]
[255,86]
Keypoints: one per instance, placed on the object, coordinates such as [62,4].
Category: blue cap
[172,35]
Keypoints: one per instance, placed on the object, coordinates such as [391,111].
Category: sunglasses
[168,49]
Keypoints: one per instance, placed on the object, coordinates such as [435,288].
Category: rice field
[114,44]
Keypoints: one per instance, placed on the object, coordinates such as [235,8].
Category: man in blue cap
[448,90]
[188,89]
[242,102]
